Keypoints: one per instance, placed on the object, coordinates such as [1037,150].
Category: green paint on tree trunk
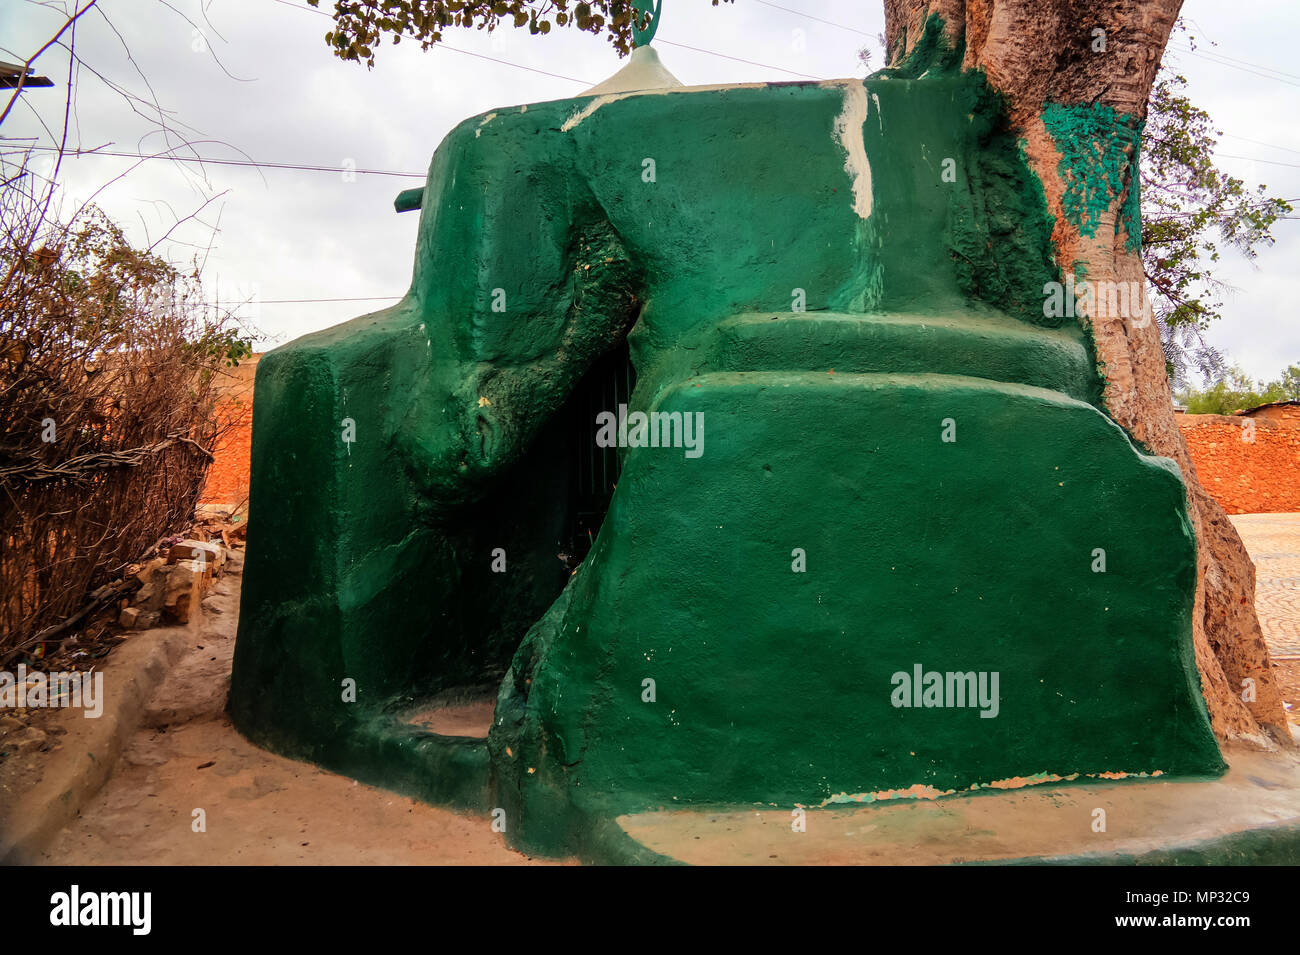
[932,55]
[1099,158]
[892,464]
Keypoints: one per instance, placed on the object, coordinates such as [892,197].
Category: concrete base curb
[91,747]
[1250,816]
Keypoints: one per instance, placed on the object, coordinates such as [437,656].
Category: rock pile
[172,584]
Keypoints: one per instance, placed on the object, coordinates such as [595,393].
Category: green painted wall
[370,560]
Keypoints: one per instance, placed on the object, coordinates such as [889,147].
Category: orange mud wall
[227,481]
[1248,476]
[1244,476]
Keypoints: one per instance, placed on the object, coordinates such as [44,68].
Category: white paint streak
[590,108]
[848,133]
[600,101]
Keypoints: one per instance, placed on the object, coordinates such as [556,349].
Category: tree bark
[1041,52]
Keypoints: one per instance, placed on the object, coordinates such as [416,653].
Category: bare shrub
[107,407]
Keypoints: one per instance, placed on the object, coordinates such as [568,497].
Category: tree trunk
[1078,53]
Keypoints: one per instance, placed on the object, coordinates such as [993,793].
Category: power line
[1232,66]
[78,154]
[1271,162]
[518,66]
[809,16]
[1257,142]
[307,167]
[1225,56]
[766,66]
[1260,142]
[310,301]
[295,6]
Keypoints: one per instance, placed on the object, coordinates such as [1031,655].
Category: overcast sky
[256,80]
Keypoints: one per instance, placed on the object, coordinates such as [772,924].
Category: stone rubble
[173,584]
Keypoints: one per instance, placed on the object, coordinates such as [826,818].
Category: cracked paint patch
[921,791]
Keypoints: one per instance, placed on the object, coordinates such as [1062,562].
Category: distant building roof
[10,73]
[1271,404]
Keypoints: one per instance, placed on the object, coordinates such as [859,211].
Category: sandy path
[1273,542]
[261,809]
[264,809]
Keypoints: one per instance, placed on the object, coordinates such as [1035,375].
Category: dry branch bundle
[107,407]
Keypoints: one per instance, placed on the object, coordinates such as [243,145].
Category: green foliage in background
[1237,392]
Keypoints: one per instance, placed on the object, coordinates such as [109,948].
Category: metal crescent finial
[643,37]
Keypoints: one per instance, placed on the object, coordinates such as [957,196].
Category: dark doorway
[607,384]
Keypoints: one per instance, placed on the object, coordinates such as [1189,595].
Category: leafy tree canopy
[359,25]
[1191,212]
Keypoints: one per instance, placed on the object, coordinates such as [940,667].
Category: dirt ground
[1288,681]
[259,809]
[1273,541]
